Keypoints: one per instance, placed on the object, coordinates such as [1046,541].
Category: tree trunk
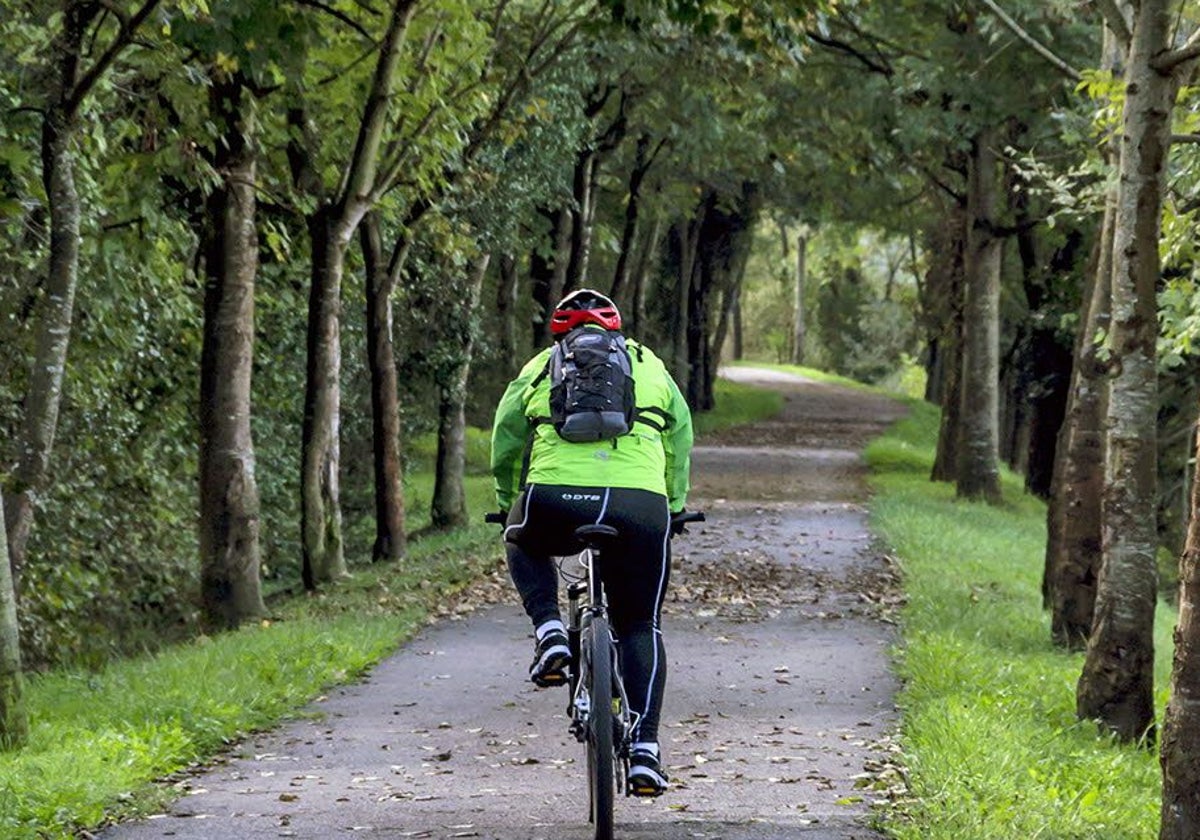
[949,429]
[506,311]
[331,226]
[581,227]
[738,338]
[449,509]
[67,93]
[321,513]
[14,716]
[978,473]
[229,504]
[641,273]
[619,292]
[730,269]
[798,330]
[689,243]
[50,356]
[42,402]
[944,316]
[548,276]
[390,539]
[1181,725]
[1116,686]
[1073,515]
[1045,361]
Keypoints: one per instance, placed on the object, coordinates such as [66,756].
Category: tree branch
[116,11]
[358,181]
[1115,19]
[1037,46]
[843,47]
[124,35]
[1169,61]
[342,16]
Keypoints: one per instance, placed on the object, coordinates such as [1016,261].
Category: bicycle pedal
[646,791]
[550,680]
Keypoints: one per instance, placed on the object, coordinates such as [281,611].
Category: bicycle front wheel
[598,649]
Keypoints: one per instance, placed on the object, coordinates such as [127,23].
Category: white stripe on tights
[662,579]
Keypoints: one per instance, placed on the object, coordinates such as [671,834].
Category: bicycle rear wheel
[600,727]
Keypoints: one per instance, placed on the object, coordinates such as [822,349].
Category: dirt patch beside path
[779,705]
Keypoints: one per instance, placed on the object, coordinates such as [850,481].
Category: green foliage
[989,737]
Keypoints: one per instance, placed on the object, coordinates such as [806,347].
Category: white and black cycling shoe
[550,660]
[646,776]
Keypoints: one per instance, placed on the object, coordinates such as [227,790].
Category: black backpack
[591,386]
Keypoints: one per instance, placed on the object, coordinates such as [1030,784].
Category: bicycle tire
[600,728]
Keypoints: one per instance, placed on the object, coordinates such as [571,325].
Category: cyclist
[549,487]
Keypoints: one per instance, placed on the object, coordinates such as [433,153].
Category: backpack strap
[537,380]
[660,423]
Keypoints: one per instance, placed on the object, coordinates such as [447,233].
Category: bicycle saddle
[595,533]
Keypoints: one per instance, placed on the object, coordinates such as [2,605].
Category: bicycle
[597,704]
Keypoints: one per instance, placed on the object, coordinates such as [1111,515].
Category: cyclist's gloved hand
[677,523]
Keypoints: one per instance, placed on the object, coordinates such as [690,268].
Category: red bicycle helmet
[584,306]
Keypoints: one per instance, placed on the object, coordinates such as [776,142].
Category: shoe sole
[645,782]
[549,670]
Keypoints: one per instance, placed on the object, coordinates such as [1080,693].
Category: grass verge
[101,739]
[736,405]
[989,734]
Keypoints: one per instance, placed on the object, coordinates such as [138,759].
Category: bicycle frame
[586,603]
[597,703]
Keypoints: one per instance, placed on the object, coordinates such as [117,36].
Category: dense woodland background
[261,258]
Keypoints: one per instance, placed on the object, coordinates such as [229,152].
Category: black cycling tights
[634,572]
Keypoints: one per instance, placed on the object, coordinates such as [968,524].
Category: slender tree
[1116,686]
[14,717]
[507,287]
[801,281]
[978,472]
[73,79]
[944,293]
[620,290]
[1181,726]
[331,227]
[390,538]
[229,503]
[1073,515]
[1073,511]
[449,507]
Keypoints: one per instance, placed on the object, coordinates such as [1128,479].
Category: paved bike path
[779,696]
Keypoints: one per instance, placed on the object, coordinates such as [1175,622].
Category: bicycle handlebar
[497,518]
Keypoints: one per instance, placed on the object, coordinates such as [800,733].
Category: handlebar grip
[497,518]
[687,516]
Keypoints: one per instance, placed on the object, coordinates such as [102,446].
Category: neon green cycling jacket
[643,459]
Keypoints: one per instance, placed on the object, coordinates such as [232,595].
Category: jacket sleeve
[510,433]
[677,444]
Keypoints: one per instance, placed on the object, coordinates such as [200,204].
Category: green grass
[737,404]
[100,739]
[989,731]
[907,381]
